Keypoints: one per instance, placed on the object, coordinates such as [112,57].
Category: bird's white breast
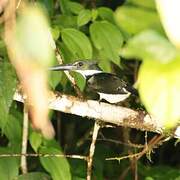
[86,73]
[113,98]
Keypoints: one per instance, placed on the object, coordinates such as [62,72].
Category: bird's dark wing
[108,83]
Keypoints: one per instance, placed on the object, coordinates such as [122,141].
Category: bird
[109,86]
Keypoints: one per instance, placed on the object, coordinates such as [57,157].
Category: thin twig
[92,149]
[24,140]
[129,144]
[45,155]
[151,144]
[18,4]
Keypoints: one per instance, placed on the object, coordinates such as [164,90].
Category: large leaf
[77,43]
[134,19]
[58,167]
[149,45]
[7,88]
[159,89]
[9,166]
[107,38]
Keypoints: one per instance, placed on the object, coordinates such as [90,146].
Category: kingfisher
[109,86]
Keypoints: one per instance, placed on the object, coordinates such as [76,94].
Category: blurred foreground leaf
[159,89]
[149,45]
[134,19]
[33,44]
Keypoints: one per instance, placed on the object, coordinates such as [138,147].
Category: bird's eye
[80,64]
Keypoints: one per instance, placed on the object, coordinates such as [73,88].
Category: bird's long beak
[67,67]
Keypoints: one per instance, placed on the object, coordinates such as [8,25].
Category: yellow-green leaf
[135,19]
[33,36]
[149,45]
[159,89]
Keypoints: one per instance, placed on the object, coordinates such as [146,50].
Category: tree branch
[105,112]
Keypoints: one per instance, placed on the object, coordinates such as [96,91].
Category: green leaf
[135,19]
[49,5]
[58,167]
[54,79]
[77,43]
[159,89]
[107,38]
[106,14]
[35,140]
[160,172]
[94,14]
[149,45]
[81,82]
[2,48]
[64,6]
[75,7]
[8,83]
[13,127]
[34,176]
[33,44]
[84,17]
[9,166]
[55,32]
[65,21]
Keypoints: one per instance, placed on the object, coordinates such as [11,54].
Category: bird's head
[86,68]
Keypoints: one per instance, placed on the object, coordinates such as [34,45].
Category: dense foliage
[126,38]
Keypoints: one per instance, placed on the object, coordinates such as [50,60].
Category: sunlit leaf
[170,15]
[58,167]
[84,17]
[107,38]
[78,43]
[149,45]
[134,19]
[159,89]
